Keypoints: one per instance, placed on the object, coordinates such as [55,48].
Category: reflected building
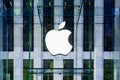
[95,27]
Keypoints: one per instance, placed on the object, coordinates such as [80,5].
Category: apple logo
[57,41]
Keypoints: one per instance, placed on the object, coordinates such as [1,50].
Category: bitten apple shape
[57,41]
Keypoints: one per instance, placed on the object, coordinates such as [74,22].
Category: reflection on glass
[8,41]
[8,69]
[108,69]
[88,25]
[86,64]
[68,74]
[26,65]
[47,65]
[109,25]
[28,25]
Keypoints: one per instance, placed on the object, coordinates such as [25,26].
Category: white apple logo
[57,41]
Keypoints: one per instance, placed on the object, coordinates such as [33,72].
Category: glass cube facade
[95,39]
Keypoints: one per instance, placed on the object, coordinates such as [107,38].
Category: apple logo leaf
[62,25]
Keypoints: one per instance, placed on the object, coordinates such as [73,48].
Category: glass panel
[8,69]
[88,25]
[28,25]
[8,25]
[68,64]
[108,70]
[109,25]
[47,64]
[26,65]
[86,65]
